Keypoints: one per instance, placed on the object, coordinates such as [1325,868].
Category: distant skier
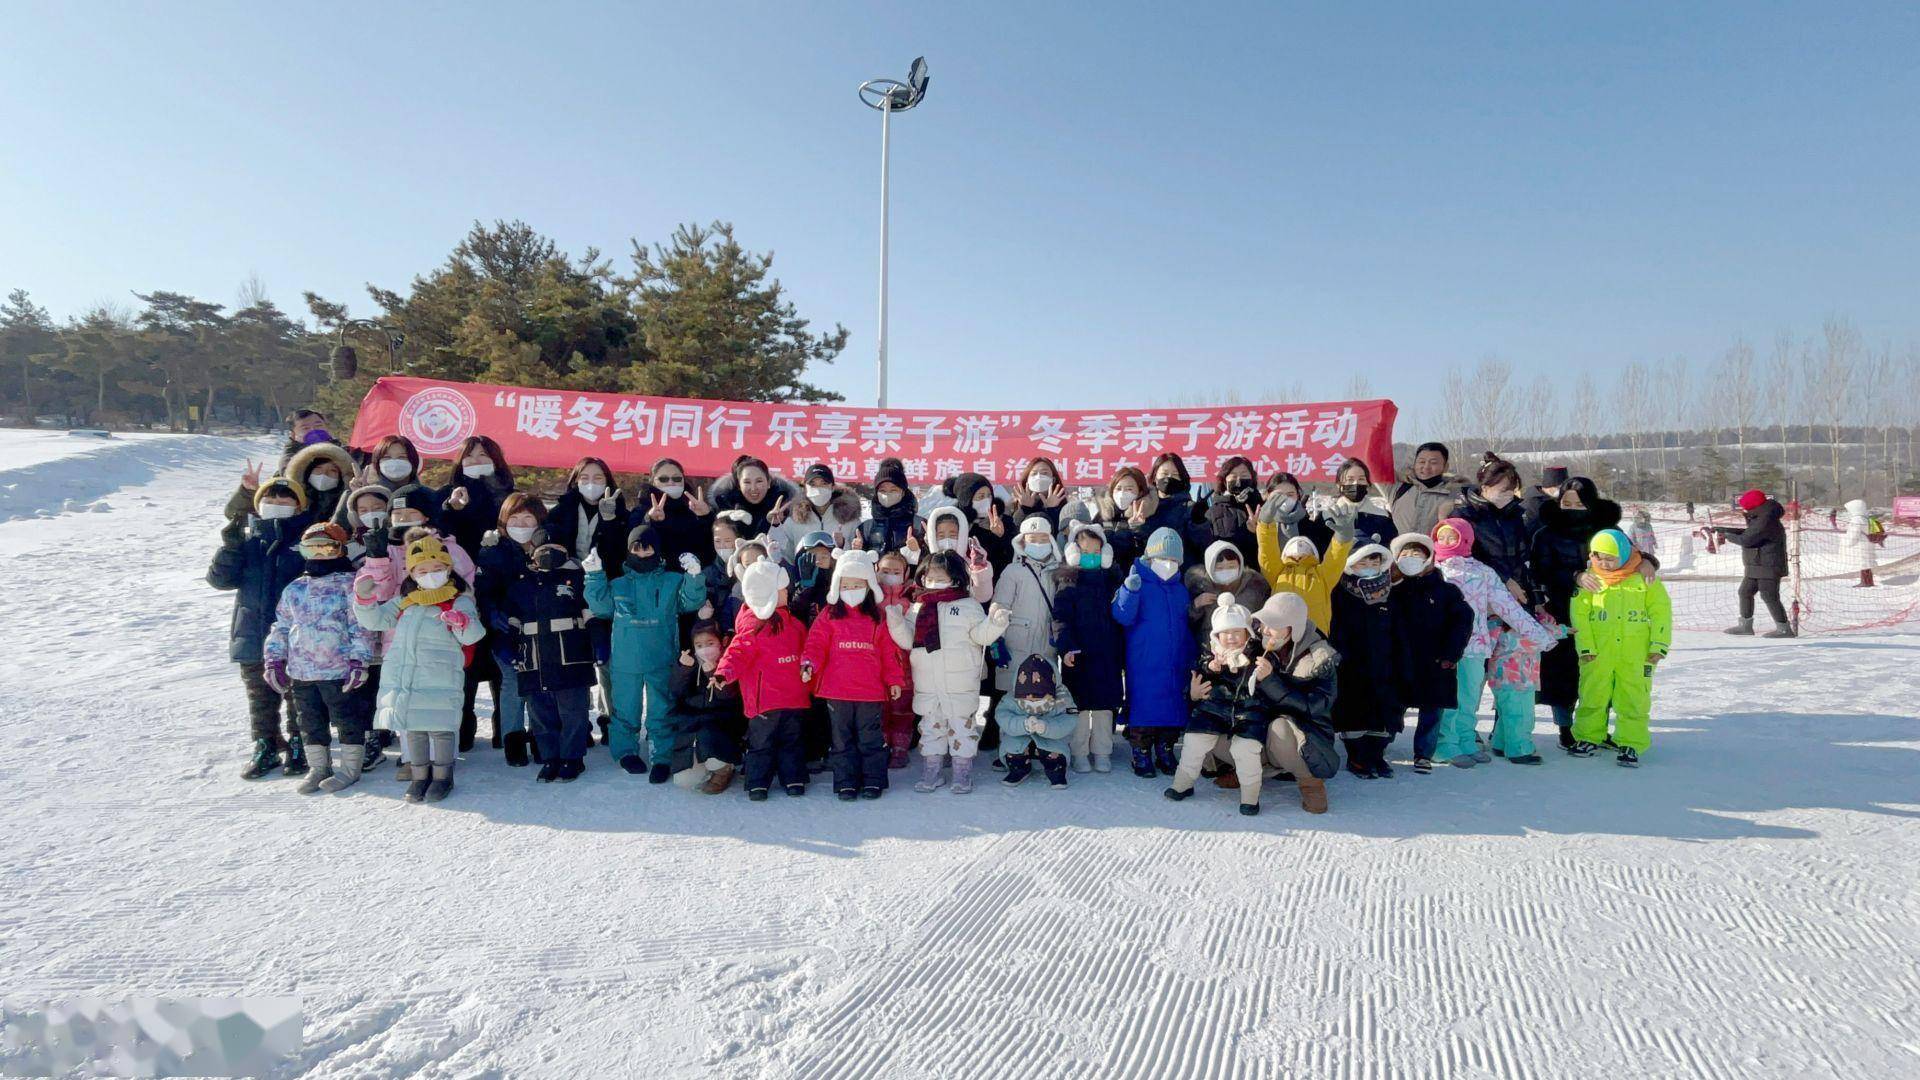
[1763,544]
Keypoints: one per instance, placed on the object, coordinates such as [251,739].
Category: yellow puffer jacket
[1312,578]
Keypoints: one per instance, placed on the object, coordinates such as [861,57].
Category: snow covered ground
[1743,905]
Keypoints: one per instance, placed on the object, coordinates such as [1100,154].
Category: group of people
[762,629]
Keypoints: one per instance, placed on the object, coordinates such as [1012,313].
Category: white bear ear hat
[760,587]
[856,566]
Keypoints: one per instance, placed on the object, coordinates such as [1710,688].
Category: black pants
[1769,590]
[773,743]
[990,735]
[320,704]
[1147,738]
[721,737]
[859,745]
[816,732]
[558,719]
[477,674]
[263,705]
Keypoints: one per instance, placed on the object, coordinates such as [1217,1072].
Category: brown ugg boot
[1313,795]
[1229,780]
[718,780]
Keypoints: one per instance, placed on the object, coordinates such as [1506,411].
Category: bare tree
[1359,387]
[1453,405]
[1541,410]
[1583,410]
[1831,373]
[1778,394]
[1632,403]
[252,293]
[1672,404]
[1493,409]
[1739,390]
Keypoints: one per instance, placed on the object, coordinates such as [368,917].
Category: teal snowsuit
[645,609]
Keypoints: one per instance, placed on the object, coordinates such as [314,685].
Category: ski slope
[1741,906]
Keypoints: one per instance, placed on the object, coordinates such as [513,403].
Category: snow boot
[1164,760]
[962,775]
[548,772]
[1423,766]
[1743,628]
[296,757]
[1055,766]
[422,777]
[266,758]
[660,774]
[442,783]
[371,755]
[1464,761]
[634,764]
[572,769]
[1143,763]
[317,771]
[1081,764]
[517,749]
[1629,758]
[758,794]
[403,772]
[1480,752]
[1313,795]
[1524,759]
[606,734]
[718,780]
[1018,768]
[1103,763]
[498,738]
[1780,630]
[1249,809]
[872,793]
[846,794]
[795,791]
[1582,749]
[1173,794]
[897,758]
[353,762]
[930,778]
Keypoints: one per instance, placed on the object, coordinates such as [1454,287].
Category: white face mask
[1040,483]
[946,543]
[981,505]
[673,491]
[1224,577]
[1411,565]
[891,579]
[1039,552]
[396,468]
[373,519]
[935,583]
[276,511]
[521,533]
[1369,572]
[708,655]
[323,482]
[1166,568]
[723,548]
[819,496]
[431,580]
[853,597]
[478,472]
[592,491]
[402,526]
[1499,498]
[887,498]
[1123,498]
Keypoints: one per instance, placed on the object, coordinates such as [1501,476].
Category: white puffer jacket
[950,674]
[1856,551]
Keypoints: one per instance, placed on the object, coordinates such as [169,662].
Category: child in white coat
[947,633]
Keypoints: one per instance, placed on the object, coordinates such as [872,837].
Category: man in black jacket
[1763,554]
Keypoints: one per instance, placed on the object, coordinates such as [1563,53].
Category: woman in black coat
[751,487]
[1501,538]
[1559,556]
[470,503]
[1176,510]
[895,511]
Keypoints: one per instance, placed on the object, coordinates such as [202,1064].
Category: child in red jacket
[764,658]
[853,667]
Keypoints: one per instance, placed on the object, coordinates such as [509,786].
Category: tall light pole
[890,96]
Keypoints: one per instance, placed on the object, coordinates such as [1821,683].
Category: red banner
[555,428]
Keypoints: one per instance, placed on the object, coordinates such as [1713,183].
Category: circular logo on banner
[437,419]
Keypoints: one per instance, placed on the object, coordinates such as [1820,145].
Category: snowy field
[1743,905]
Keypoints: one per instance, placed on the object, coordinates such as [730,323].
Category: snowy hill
[1740,906]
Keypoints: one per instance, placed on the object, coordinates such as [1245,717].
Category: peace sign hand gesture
[698,504]
[779,512]
[1137,514]
[250,479]
[659,510]
[995,525]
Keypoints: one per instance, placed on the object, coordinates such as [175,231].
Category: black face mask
[1354,492]
[549,559]
[1167,486]
[643,564]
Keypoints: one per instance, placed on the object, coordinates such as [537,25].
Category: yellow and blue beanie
[1612,542]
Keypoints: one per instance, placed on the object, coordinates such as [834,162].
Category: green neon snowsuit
[645,609]
[1619,627]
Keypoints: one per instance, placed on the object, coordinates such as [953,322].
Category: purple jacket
[314,630]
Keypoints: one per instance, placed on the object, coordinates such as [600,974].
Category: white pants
[1093,735]
[948,727]
[1245,754]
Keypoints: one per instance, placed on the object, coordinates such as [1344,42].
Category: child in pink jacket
[1494,610]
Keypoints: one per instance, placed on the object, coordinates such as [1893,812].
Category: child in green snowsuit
[645,603]
[1622,632]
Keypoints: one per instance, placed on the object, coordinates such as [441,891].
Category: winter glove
[454,619]
[1132,584]
[356,677]
[1270,511]
[1000,615]
[1341,516]
[591,564]
[363,587]
[688,563]
[378,542]
[492,539]
[1036,726]
[275,675]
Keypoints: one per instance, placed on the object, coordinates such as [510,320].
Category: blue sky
[1098,205]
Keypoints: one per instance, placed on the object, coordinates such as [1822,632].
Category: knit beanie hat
[1165,544]
[1611,542]
[1751,500]
[1229,614]
[411,497]
[644,534]
[891,472]
[1553,476]
[280,485]
[1461,542]
[853,566]
[1035,678]
[427,549]
[760,587]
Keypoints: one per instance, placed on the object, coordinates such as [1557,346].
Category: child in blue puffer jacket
[319,654]
[1151,605]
